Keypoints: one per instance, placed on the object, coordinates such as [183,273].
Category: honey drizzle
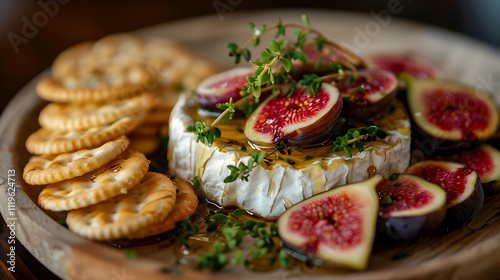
[233,139]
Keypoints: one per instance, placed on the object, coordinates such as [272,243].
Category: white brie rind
[267,187]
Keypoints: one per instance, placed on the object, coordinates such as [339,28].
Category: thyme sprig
[273,67]
[185,229]
[241,171]
[265,76]
[301,32]
[204,133]
[233,231]
[273,54]
[354,136]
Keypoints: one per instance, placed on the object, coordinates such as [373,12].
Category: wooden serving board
[471,252]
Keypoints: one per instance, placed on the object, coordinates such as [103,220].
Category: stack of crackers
[111,101]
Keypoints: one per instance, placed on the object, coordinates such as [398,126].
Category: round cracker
[67,61]
[76,116]
[185,205]
[48,169]
[118,50]
[68,91]
[114,178]
[147,203]
[44,141]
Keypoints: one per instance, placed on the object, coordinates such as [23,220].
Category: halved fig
[464,194]
[334,228]
[220,87]
[410,207]
[486,161]
[398,63]
[367,93]
[301,118]
[328,54]
[452,114]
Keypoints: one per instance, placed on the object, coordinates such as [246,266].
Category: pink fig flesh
[301,118]
[464,194]
[367,93]
[486,161]
[336,227]
[401,63]
[221,87]
[410,207]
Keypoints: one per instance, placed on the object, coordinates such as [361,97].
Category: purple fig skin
[411,227]
[408,226]
[361,106]
[442,146]
[460,214]
[369,111]
[221,87]
[491,188]
[299,69]
[210,102]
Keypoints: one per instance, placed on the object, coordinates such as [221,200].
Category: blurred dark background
[78,20]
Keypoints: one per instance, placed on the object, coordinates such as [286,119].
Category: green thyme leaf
[275,47]
[287,64]
[196,183]
[184,230]
[320,41]
[246,54]
[238,257]
[281,29]
[130,254]
[256,41]
[284,259]
[349,81]
[393,176]
[353,138]
[63,223]
[356,89]
[305,19]
[238,212]
[204,135]
[335,66]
